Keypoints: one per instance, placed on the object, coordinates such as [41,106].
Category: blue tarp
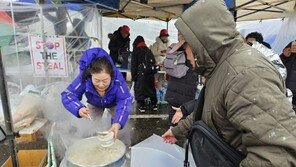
[110,3]
[229,3]
[74,5]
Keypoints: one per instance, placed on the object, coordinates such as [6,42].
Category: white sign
[51,61]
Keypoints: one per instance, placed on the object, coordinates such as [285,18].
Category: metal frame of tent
[165,10]
[246,10]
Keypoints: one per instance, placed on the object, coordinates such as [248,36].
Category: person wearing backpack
[244,96]
[187,80]
[142,71]
[103,86]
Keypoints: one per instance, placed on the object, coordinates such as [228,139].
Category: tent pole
[44,48]
[16,45]
[235,13]
[7,115]
[167,25]
[101,28]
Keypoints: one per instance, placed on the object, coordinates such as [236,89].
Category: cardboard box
[32,132]
[29,158]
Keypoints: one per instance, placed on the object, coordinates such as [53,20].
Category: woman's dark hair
[289,45]
[258,36]
[97,66]
[138,39]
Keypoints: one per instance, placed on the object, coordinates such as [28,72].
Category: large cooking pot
[88,152]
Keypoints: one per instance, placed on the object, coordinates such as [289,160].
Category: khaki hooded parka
[245,102]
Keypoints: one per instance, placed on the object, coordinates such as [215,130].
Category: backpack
[124,59]
[207,148]
[175,64]
[148,65]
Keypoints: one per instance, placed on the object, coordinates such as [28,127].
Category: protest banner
[50,61]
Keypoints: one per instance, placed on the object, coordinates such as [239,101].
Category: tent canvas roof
[170,9]
[158,9]
[263,9]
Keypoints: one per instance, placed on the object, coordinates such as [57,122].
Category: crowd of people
[245,101]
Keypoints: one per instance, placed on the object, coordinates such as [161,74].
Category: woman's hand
[177,116]
[84,112]
[115,128]
[169,137]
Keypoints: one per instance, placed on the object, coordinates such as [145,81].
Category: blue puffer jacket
[117,93]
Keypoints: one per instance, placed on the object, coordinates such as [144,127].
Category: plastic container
[153,152]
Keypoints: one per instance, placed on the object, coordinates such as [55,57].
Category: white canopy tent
[243,10]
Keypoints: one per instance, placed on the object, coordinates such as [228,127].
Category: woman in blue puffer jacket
[103,86]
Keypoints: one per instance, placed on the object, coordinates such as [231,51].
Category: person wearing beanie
[144,82]
[160,46]
[159,49]
[119,42]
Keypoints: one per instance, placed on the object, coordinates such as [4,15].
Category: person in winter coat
[144,82]
[159,49]
[244,101]
[288,57]
[174,95]
[104,87]
[161,45]
[119,42]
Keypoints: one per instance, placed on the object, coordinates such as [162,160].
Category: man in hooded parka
[245,102]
